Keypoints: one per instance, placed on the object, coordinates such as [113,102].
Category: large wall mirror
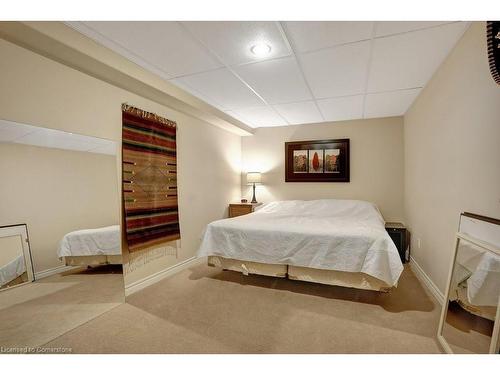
[60,247]
[470,319]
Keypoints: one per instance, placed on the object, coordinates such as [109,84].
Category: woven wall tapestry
[149,167]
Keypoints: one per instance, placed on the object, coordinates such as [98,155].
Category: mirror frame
[15,230]
[495,342]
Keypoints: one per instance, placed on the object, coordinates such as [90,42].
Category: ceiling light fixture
[260,49]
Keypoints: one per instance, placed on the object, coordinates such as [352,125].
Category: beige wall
[55,192]
[452,152]
[376,157]
[45,93]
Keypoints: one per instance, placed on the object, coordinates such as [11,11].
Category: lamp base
[254,200]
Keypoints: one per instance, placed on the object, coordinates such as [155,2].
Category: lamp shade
[253,178]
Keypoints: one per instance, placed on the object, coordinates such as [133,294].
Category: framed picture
[317,161]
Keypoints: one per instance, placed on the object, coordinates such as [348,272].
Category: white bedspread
[12,270]
[481,269]
[100,241]
[483,287]
[341,235]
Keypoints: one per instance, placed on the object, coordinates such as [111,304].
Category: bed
[91,247]
[329,241]
[476,281]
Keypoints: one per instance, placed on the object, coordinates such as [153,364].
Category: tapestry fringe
[147,115]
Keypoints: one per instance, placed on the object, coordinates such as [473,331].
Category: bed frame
[356,280]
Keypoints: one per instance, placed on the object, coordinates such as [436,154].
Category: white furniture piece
[330,241]
[470,316]
[15,256]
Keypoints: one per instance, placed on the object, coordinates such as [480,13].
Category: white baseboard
[424,278]
[154,278]
[52,271]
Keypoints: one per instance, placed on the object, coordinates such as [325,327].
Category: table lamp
[252,179]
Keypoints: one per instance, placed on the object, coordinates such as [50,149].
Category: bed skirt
[92,260]
[459,294]
[248,268]
[356,280]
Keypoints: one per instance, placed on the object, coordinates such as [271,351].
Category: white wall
[42,92]
[376,158]
[452,152]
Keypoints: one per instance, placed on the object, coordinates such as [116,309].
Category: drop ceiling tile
[277,81]
[346,108]
[179,83]
[409,60]
[393,103]
[337,71]
[232,41]
[10,131]
[164,45]
[261,116]
[395,27]
[308,36]
[224,88]
[299,113]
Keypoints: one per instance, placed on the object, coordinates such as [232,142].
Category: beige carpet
[206,310]
[465,332]
[33,314]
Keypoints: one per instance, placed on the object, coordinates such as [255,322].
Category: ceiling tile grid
[231,41]
[261,116]
[337,71]
[223,87]
[277,81]
[314,72]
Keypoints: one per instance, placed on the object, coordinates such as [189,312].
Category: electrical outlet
[419,243]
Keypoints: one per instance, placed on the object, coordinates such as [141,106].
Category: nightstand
[238,209]
[401,238]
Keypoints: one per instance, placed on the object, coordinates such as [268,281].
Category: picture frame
[317,161]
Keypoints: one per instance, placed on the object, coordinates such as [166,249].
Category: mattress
[328,234]
[89,242]
[12,270]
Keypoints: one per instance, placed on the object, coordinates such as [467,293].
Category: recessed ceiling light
[261,49]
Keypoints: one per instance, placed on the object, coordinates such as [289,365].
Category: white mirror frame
[494,344]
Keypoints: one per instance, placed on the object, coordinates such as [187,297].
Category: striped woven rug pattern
[149,179]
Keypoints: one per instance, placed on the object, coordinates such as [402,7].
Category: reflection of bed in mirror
[15,257]
[91,247]
[470,317]
[13,272]
[475,281]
